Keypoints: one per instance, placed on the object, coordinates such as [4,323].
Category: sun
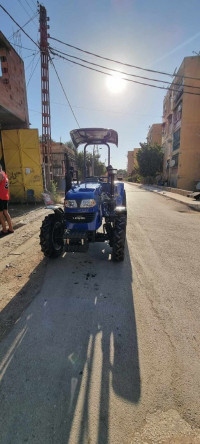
[115,84]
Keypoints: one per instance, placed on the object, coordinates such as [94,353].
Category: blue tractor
[94,210]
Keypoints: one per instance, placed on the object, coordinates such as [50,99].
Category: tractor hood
[93,136]
[84,191]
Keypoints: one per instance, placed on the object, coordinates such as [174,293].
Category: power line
[23,47]
[30,55]
[18,25]
[115,70]
[31,62]
[23,7]
[23,26]
[30,6]
[33,70]
[123,78]
[122,63]
[64,91]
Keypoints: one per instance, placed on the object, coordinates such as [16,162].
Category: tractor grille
[77,218]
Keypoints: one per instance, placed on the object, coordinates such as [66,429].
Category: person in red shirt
[4,198]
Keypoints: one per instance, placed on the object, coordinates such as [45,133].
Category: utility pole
[45,96]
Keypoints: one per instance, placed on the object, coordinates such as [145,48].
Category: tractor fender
[59,213]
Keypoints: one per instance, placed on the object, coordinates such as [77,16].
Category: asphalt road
[109,353]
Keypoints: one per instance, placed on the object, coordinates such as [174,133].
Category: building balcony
[177,125]
[178,95]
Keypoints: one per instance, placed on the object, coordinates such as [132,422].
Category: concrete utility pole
[46,116]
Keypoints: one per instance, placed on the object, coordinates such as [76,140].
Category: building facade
[132,160]
[154,135]
[167,136]
[181,127]
[13,99]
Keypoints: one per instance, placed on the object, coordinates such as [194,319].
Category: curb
[194,206]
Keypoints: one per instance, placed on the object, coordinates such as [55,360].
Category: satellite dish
[172,163]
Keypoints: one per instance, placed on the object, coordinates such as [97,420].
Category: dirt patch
[22,267]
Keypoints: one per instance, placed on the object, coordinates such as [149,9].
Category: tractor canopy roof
[93,136]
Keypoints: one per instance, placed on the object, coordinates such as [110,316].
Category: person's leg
[2,221]
[8,218]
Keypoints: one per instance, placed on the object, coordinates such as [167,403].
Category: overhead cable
[123,78]
[23,26]
[23,47]
[122,63]
[26,10]
[116,70]
[31,62]
[33,70]
[2,7]
[64,90]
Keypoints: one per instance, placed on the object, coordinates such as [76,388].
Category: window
[176,139]
[178,113]
[2,69]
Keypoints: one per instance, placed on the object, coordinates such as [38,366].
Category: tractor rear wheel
[51,236]
[119,237]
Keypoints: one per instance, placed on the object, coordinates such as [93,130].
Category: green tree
[123,172]
[150,160]
[71,145]
[99,167]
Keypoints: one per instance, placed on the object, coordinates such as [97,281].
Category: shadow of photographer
[73,353]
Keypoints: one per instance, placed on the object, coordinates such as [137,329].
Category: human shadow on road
[74,350]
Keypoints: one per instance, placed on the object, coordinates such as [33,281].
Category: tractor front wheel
[119,237]
[51,236]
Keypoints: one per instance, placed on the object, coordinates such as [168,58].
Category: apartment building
[181,127]
[132,160]
[13,99]
[167,137]
[154,135]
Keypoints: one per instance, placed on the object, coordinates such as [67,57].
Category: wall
[22,164]
[189,151]
[13,99]
[155,134]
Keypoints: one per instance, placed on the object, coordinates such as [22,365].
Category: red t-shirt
[4,191]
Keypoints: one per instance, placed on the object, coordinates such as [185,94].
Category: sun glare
[115,84]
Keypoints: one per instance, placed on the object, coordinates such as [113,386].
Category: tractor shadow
[79,333]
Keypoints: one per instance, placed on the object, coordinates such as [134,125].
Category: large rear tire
[119,238]
[51,236]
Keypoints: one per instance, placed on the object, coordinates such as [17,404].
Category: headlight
[88,203]
[70,203]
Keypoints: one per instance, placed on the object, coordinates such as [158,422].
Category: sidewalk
[189,201]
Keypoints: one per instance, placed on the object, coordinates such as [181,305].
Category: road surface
[106,352]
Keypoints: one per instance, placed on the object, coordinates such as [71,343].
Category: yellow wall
[22,162]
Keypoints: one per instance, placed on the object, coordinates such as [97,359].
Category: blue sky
[148,33]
